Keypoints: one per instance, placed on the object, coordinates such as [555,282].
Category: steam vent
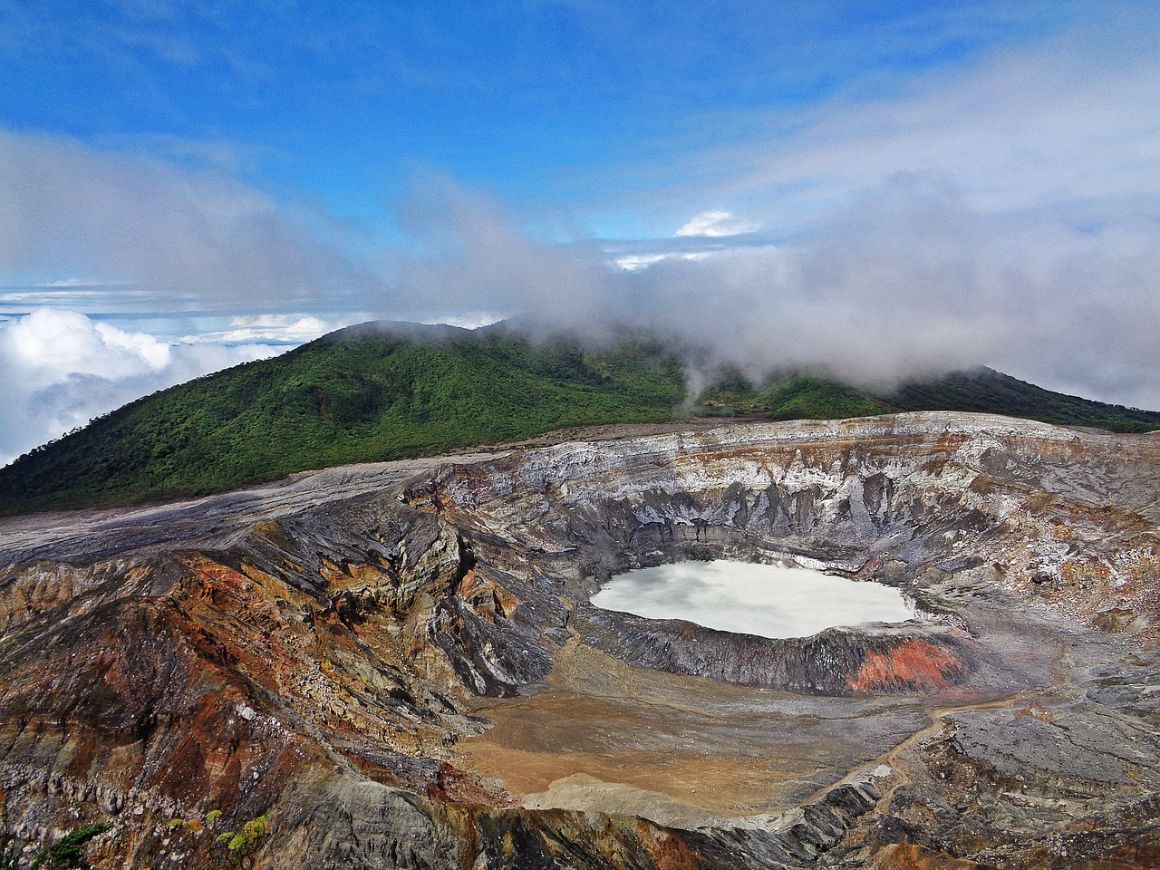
[398,665]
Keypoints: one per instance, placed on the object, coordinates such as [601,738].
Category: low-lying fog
[766,600]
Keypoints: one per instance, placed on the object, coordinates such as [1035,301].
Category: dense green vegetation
[791,396]
[359,394]
[376,392]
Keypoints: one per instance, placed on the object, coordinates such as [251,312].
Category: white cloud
[49,345]
[62,368]
[717,224]
[636,262]
[468,320]
[275,328]
[79,282]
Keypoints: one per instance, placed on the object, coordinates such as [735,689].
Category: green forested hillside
[993,392]
[359,394]
[387,391]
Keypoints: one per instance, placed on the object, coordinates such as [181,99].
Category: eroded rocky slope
[396,664]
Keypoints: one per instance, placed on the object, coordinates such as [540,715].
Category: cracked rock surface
[398,666]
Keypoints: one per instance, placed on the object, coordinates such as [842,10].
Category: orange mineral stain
[913,664]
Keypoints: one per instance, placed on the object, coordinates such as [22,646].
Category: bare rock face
[391,664]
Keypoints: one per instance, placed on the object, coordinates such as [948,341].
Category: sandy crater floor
[684,751]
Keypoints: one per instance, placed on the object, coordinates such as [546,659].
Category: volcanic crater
[399,664]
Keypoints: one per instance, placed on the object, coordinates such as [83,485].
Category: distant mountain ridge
[383,391]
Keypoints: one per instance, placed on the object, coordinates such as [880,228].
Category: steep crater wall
[923,505]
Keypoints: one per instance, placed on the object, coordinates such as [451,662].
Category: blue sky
[881,189]
[547,103]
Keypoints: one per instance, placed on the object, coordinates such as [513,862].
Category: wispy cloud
[183,233]
[1051,125]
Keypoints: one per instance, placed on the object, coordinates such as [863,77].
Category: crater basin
[771,601]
